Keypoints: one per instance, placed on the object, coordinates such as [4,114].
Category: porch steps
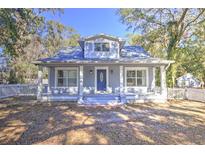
[101,100]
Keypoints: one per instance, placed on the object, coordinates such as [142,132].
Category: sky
[92,21]
[89,21]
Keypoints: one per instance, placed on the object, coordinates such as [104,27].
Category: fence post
[186,93]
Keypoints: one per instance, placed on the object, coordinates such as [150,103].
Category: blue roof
[128,53]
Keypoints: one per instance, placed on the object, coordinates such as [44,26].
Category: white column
[122,96]
[153,79]
[121,81]
[49,85]
[163,82]
[81,84]
[40,84]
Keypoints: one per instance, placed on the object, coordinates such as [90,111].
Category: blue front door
[101,80]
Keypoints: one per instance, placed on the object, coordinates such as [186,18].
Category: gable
[102,36]
[93,48]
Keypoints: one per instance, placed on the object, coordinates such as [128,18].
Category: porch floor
[106,99]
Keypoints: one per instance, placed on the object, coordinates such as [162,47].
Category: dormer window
[102,46]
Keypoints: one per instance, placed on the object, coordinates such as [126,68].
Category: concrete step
[101,100]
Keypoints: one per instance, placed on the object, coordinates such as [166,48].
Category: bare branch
[195,18]
[183,16]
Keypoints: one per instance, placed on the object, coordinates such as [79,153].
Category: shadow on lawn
[60,123]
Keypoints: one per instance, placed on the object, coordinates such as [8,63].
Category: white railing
[187,93]
[11,90]
[63,91]
[176,93]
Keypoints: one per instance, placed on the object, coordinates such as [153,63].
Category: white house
[188,80]
[102,70]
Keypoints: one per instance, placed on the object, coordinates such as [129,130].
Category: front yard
[28,122]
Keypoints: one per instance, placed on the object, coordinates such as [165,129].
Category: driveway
[29,122]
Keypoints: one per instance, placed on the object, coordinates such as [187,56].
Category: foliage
[169,33]
[26,36]
[58,36]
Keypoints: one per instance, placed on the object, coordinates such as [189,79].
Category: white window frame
[67,69]
[101,46]
[107,77]
[136,69]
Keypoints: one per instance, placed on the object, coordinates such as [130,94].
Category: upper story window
[102,46]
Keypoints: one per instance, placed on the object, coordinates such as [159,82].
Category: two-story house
[102,70]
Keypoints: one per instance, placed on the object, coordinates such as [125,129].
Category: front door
[101,80]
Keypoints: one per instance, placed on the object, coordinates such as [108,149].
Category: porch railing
[60,90]
[91,90]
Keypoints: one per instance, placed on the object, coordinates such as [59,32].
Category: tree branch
[183,16]
[195,18]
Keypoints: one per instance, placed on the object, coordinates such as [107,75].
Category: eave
[143,62]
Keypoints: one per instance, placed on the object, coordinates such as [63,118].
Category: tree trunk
[170,56]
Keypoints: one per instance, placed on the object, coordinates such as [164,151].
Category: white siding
[90,53]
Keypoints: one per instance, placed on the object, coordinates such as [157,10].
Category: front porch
[66,94]
[117,91]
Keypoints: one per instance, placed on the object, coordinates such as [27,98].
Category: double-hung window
[136,77]
[66,78]
[102,46]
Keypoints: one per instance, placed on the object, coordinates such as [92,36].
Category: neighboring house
[3,68]
[188,80]
[102,70]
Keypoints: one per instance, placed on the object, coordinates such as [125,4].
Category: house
[102,70]
[188,80]
[4,68]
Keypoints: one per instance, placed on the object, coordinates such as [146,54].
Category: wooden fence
[187,93]
[176,93]
[12,90]
[195,94]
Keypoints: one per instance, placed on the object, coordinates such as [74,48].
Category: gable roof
[102,35]
[187,77]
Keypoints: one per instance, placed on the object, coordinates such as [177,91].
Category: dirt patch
[30,122]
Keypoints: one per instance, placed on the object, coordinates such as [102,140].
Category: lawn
[29,122]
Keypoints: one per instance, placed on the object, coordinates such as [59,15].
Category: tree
[15,27]
[170,27]
[27,36]
[58,36]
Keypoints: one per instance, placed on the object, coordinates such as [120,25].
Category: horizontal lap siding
[88,77]
[52,77]
[114,78]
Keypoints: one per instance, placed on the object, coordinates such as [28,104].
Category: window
[67,78]
[105,47]
[98,47]
[136,78]
[102,46]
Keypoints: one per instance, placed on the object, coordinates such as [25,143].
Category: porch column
[163,81]
[122,96]
[121,80]
[40,84]
[49,85]
[153,79]
[80,84]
